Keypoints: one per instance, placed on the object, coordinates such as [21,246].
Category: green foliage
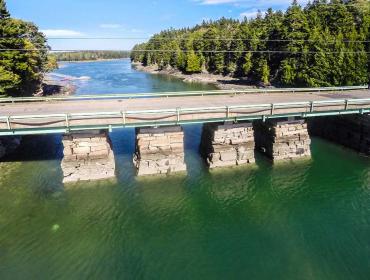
[90,55]
[4,13]
[193,63]
[25,58]
[318,45]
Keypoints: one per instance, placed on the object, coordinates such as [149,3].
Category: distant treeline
[325,43]
[90,55]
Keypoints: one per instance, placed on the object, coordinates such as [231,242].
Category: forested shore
[321,44]
[90,55]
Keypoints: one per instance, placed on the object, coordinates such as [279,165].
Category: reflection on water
[307,219]
[296,220]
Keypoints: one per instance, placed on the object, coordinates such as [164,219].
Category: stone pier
[9,145]
[87,156]
[159,150]
[352,131]
[228,145]
[283,140]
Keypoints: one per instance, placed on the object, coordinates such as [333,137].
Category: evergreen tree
[3,10]
[322,44]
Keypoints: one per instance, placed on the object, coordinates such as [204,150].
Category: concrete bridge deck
[52,116]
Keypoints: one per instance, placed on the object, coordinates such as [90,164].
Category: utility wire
[198,51]
[195,40]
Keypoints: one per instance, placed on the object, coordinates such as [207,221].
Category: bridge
[24,116]
[236,122]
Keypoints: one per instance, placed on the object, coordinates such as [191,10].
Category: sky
[132,19]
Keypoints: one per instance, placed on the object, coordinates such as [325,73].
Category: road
[93,106]
[19,118]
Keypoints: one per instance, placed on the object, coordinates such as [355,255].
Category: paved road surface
[142,104]
[92,106]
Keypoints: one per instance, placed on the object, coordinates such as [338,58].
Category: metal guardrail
[64,123]
[176,94]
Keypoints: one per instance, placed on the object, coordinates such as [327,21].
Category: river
[307,219]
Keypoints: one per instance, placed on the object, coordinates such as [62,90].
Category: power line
[197,40]
[197,51]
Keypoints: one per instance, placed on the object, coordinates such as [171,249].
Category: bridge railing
[62,123]
[176,94]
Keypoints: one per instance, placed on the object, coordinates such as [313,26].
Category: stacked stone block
[159,151]
[283,140]
[228,145]
[352,131]
[87,156]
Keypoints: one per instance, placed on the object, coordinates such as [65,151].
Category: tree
[319,45]
[25,57]
[193,63]
[4,13]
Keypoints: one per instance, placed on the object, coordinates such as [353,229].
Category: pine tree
[319,45]
[4,13]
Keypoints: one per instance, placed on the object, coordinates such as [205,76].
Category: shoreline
[96,60]
[220,81]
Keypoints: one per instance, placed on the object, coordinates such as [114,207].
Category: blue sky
[126,18]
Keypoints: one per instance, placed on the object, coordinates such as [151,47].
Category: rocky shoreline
[220,81]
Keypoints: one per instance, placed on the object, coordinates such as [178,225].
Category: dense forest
[321,44]
[23,57]
[90,55]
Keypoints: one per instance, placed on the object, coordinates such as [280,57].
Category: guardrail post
[312,107]
[272,109]
[67,121]
[124,117]
[8,123]
[178,114]
[346,105]
[227,112]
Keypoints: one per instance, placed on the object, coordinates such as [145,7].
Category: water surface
[118,76]
[308,219]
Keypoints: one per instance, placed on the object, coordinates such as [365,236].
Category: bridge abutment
[352,131]
[227,145]
[87,156]
[159,150]
[281,140]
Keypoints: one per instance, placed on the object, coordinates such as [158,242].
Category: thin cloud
[61,33]
[251,14]
[253,3]
[110,25]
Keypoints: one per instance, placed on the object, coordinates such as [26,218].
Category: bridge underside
[235,125]
[350,131]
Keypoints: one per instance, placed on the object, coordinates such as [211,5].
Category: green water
[308,219]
